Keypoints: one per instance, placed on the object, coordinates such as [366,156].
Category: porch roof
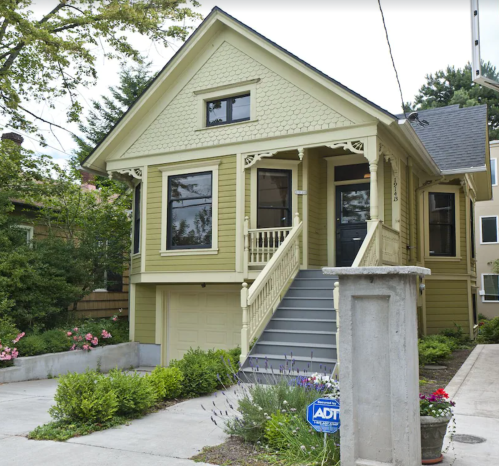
[456,138]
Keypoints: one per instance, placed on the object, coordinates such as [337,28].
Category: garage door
[208,317]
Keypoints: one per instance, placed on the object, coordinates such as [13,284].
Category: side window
[274,198]
[490,284]
[136,219]
[190,211]
[488,229]
[442,224]
[229,110]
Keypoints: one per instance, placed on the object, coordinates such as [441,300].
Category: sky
[343,38]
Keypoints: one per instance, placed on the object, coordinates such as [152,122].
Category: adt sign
[324,415]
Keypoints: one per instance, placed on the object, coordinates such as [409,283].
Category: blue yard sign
[324,415]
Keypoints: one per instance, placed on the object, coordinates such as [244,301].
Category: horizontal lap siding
[404,212]
[135,268]
[415,184]
[317,212]
[446,304]
[145,313]
[387,194]
[225,259]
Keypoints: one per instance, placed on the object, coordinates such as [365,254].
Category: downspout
[410,184]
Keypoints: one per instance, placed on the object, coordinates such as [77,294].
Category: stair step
[298,313]
[319,350]
[307,303]
[301,359]
[290,323]
[312,292]
[314,282]
[312,273]
[300,336]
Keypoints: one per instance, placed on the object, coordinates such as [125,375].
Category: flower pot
[433,431]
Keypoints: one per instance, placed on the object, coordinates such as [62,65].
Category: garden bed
[435,379]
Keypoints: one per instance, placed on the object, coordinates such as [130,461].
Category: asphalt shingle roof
[456,138]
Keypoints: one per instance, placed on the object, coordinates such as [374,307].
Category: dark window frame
[290,195]
[229,119]
[137,218]
[452,226]
[495,217]
[169,245]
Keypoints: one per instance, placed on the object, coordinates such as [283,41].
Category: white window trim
[457,203]
[497,229]
[185,169]
[31,232]
[494,162]
[223,92]
[276,164]
[482,293]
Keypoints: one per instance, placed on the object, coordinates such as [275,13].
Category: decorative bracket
[133,172]
[357,147]
[301,153]
[250,160]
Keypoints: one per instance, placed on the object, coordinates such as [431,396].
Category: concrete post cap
[389,270]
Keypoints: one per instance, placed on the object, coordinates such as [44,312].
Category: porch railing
[260,300]
[261,244]
[390,239]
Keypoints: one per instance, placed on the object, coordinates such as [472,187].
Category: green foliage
[456,334]
[134,394]
[456,86]
[55,340]
[297,443]
[166,382]
[49,56]
[8,331]
[118,329]
[83,398]
[259,402]
[431,350]
[32,345]
[489,331]
[61,431]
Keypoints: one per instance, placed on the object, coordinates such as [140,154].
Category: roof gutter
[459,171]
[410,134]
[91,171]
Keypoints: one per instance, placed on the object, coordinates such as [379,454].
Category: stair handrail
[260,300]
[369,254]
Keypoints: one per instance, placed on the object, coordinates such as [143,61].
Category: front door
[352,213]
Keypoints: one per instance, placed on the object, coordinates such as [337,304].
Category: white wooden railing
[262,243]
[260,300]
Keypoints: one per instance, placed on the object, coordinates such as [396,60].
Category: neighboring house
[104,302]
[487,243]
[250,165]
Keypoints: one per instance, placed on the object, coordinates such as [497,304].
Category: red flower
[441,392]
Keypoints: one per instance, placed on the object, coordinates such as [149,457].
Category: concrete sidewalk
[475,389]
[168,437]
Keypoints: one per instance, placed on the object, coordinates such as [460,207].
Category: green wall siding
[446,304]
[387,194]
[225,259]
[135,267]
[145,313]
[404,212]
[317,211]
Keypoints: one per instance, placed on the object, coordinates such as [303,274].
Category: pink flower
[106,334]
[88,336]
[72,348]
[80,338]
[69,334]
[75,338]
[15,353]
[115,318]
[85,347]
[75,329]
[95,341]
[19,336]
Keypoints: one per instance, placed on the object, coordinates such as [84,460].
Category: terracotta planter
[433,431]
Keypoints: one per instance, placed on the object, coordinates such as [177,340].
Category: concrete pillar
[379,372]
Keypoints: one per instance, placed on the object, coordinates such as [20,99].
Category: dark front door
[352,213]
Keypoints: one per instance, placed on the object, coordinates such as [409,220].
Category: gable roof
[456,138]
[171,63]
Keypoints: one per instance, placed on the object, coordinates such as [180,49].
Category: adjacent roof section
[456,138]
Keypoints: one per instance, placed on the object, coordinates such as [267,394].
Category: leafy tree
[455,86]
[106,112]
[44,59]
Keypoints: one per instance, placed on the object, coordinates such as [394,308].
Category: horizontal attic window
[228,110]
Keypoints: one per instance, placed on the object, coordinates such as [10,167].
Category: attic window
[228,110]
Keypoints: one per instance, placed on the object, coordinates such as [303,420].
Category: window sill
[225,126]
[100,290]
[188,252]
[492,242]
[442,259]
[135,254]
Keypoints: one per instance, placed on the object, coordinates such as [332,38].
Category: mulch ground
[234,452]
[440,378]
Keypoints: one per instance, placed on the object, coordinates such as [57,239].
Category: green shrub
[133,393]
[488,332]
[8,331]
[56,341]
[296,443]
[261,401]
[432,350]
[32,345]
[200,373]
[166,382]
[451,342]
[84,398]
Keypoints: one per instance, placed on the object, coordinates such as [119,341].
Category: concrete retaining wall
[123,356]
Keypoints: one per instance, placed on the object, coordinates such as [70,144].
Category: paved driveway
[167,437]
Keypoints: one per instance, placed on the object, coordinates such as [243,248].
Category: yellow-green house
[249,166]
